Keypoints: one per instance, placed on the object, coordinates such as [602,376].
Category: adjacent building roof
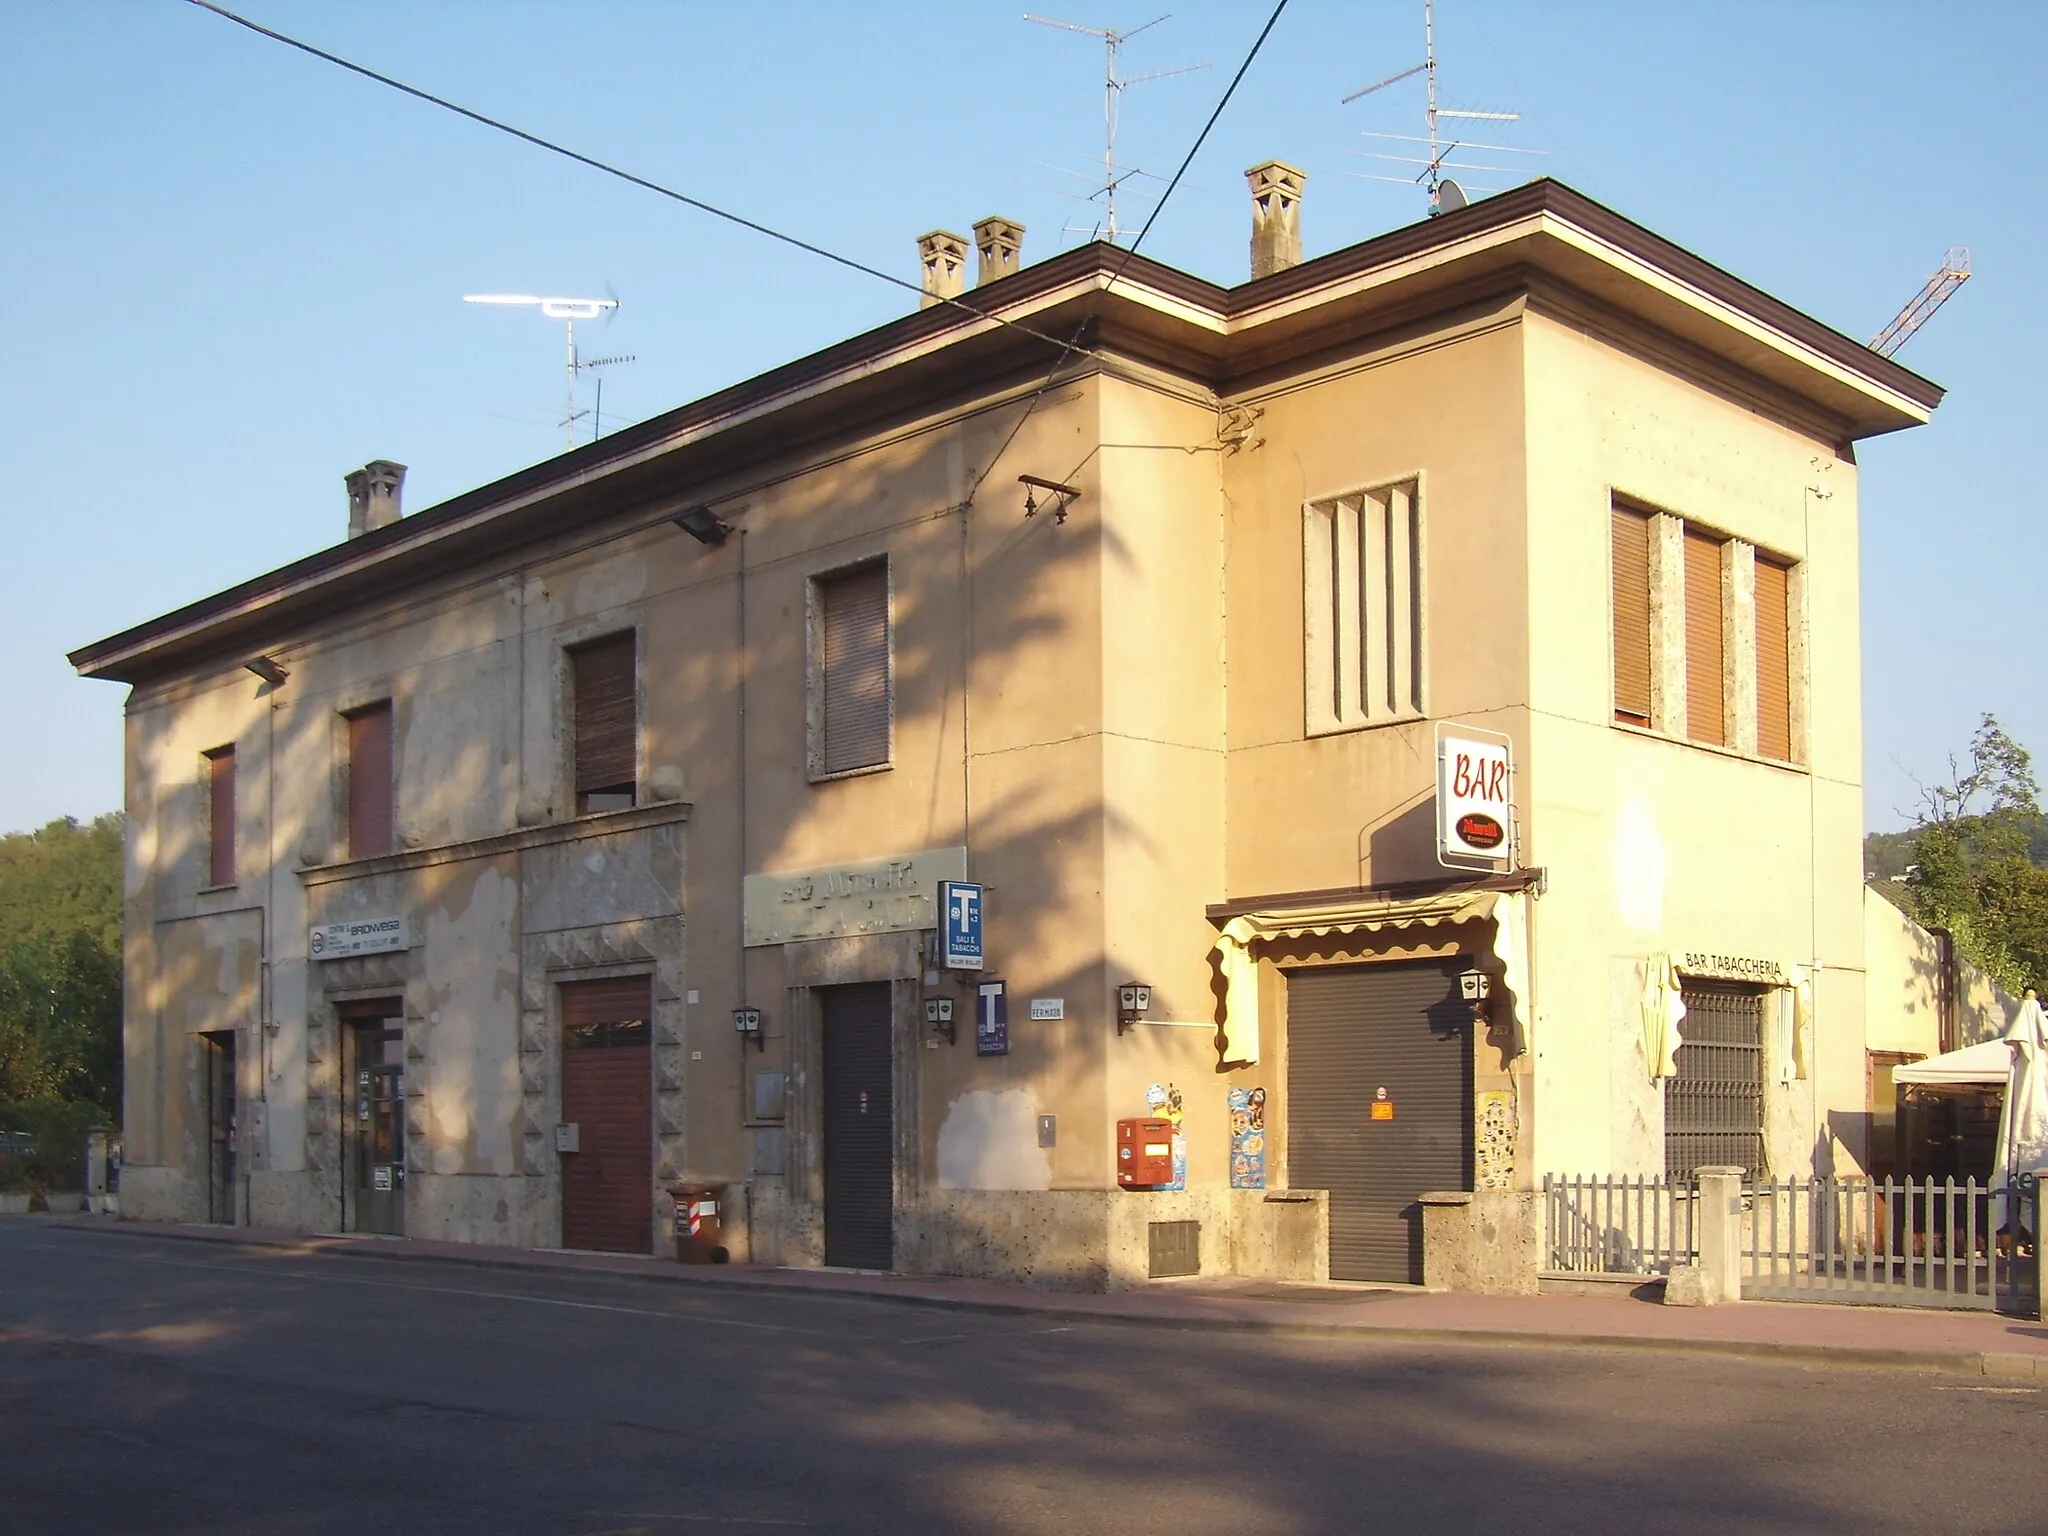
[1096,297]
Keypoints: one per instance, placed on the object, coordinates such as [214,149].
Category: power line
[626,176]
[1132,250]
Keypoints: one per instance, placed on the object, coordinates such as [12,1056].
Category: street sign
[1474,799]
[371,936]
[960,930]
[992,1018]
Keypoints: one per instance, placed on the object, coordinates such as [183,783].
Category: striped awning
[1235,954]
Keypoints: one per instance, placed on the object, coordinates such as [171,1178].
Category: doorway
[217,1067]
[375,1156]
[608,1101]
[1379,1104]
[860,1124]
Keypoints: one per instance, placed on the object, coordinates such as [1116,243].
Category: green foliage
[60,963]
[1973,862]
[53,1157]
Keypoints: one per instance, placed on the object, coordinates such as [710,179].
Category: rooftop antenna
[1113,87]
[1445,195]
[584,365]
[1951,275]
[568,311]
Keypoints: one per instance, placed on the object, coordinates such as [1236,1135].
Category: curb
[2000,1365]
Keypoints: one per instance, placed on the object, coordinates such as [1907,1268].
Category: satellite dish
[1450,197]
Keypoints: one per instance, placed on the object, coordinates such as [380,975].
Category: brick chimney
[943,255]
[373,495]
[999,247]
[1276,216]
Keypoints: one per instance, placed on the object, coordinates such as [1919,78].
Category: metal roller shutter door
[859,1128]
[607,1091]
[1350,1031]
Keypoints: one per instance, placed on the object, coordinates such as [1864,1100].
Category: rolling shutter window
[854,609]
[1705,710]
[220,816]
[369,781]
[607,723]
[1631,616]
[1773,659]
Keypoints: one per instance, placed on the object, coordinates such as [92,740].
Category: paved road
[152,1386]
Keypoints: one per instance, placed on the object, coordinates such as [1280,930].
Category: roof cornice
[1019,323]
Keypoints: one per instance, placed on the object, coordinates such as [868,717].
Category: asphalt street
[148,1385]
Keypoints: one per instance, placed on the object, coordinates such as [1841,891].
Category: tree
[60,963]
[1973,869]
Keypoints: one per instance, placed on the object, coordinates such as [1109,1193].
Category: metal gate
[607,1095]
[1379,1104]
[859,1128]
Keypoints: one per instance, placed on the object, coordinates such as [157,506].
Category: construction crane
[1952,274]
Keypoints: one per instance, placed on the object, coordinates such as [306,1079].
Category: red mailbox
[1144,1153]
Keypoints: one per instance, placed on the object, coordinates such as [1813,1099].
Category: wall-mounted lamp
[268,670]
[703,525]
[1133,1002]
[1063,494]
[938,1012]
[747,1022]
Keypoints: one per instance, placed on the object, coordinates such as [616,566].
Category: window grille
[1714,1107]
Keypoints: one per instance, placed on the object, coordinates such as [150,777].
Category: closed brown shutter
[220,816]
[1773,659]
[607,722]
[856,668]
[1631,616]
[608,1094]
[1705,717]
[369,781]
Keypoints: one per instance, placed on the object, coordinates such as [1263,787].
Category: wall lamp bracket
[747,1023]
[1063,495]
[1133,1002]
[938,1012]
[703,525]
[268,670]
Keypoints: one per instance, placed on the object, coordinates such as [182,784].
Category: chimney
[943,255]
[999,245]
[1276,217]
[373,495]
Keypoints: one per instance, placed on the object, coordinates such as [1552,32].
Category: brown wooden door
[607,1094]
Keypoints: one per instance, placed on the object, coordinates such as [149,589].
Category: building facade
[456,850]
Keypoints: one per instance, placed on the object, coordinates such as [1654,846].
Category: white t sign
[1474,814]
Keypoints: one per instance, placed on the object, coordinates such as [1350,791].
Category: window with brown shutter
[851,702]
[1631,535]
[1705,709]
[369,781]
[607,723]
[220,816]
[1773,658]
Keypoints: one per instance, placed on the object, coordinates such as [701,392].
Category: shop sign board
[1474,798]
[1733,968]
[960,925]
[368,936]
[992,1018]
[836,901]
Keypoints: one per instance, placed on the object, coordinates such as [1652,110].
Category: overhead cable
[626,176]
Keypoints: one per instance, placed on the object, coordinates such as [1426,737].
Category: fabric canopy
[1986,1063]
[1235,954]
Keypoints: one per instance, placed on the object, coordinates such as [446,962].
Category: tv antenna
[1953,272]
[568,311]
[1113,88]
[1445,195]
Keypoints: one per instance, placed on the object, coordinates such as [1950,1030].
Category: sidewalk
[1967,1343]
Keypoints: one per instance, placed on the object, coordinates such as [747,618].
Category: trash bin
[700,1232]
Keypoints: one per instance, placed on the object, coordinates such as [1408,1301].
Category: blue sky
[235,273]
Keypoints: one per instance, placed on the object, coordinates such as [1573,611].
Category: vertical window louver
[1362,625]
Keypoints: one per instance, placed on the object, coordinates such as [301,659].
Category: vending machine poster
[1247,1138]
